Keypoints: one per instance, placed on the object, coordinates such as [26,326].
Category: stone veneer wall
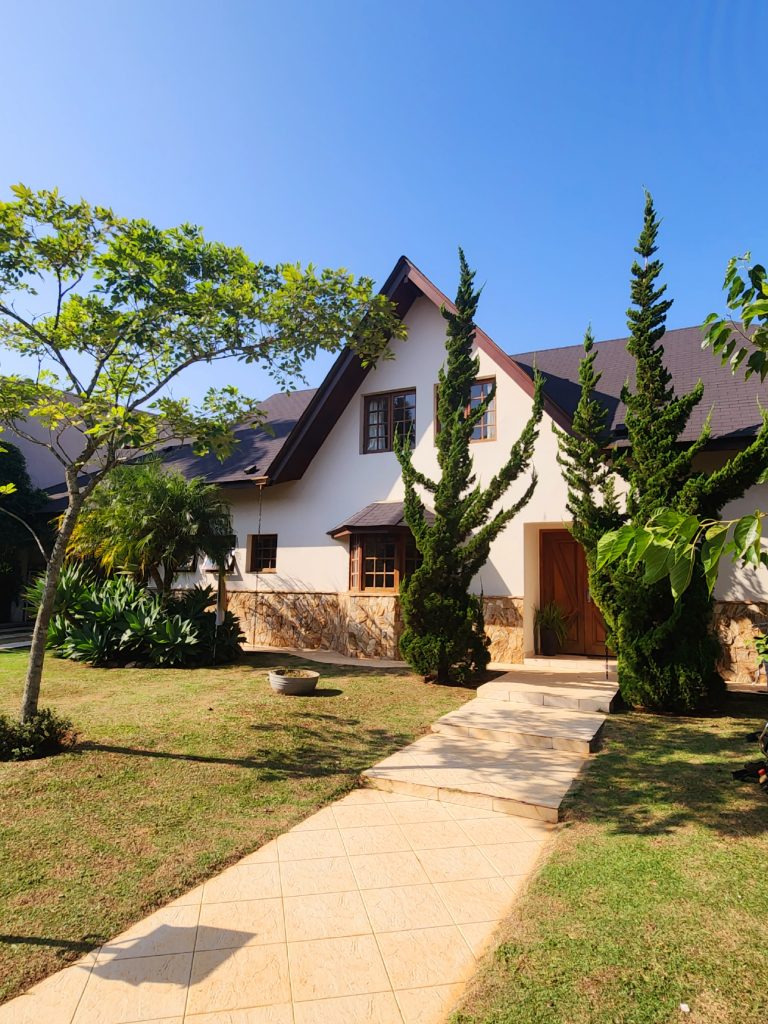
[357,625]
[734,626]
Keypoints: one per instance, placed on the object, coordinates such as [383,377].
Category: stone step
[520,725]
[576,692]
[528,782]
[15,645]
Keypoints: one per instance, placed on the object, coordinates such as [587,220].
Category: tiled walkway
[373,911]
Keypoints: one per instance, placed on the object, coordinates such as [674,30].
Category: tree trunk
[45,611]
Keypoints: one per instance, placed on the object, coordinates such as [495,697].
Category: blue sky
[347,133]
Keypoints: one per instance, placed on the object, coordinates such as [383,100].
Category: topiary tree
[443,637]
[666,652]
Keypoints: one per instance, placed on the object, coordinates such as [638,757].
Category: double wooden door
[564,581]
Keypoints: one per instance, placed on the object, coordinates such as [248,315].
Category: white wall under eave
[341,480]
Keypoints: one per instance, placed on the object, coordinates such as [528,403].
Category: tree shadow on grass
[316,747]
[657,774]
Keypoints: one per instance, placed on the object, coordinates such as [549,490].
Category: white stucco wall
[340,480]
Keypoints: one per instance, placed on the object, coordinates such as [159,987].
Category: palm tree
[150,522]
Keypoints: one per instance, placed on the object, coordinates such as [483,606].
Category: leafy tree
[151,522]
[23,518]
[121,308]
[669,543]
[443,638]
[666,653]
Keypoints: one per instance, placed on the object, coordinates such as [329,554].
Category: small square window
[485,429]
[263,552]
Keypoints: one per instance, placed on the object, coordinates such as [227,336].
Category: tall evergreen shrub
[444,637]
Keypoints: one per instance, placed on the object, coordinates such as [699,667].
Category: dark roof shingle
[733,400]
[379,514]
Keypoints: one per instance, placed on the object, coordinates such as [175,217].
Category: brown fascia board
[403,286]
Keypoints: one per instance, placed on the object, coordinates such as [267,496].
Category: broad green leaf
[613,545]
[746,532]
[681,571]
[658,559]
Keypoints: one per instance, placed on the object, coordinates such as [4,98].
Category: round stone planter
[294,685]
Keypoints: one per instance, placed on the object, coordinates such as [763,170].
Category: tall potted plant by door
[552,626]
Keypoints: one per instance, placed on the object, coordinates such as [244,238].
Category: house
[317,499]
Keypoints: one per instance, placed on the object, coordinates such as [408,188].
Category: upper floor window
[485,428]
[387,416]
[262,552]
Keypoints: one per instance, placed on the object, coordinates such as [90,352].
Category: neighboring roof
[733,401]
[256,450]
[404,285]
[379,515]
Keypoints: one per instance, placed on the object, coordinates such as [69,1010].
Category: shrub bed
[117,621]
[46,733]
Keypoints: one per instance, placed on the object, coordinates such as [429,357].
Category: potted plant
[552,625]
[294,682]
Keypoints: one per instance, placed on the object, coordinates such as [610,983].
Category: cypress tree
[443,637]
[666,651]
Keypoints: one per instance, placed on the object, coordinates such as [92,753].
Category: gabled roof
[732,400]
[377,516]
[404,285]
[256,450]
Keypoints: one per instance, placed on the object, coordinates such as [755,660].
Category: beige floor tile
[361,796]
[396,797]
[247,923]
[426,956]
[309,845]
[476,899]
[419,810]
[433,835]
[53,1000]
[327,968]
[167,931]
[383,870]
[362,815]
[405,907]
[374,839]
[232,979]
[502,829]
[513,858]
[322,819]
[139,988]
[481,936]
[249,882]
[541,830]
[373,1008]
[266,854]
[325,916]
[194,896]
[455,863]
[279,1014]
[462,812]
[308,877]
[428,1005]
[478,801]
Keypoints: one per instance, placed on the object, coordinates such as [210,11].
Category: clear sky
[347,133]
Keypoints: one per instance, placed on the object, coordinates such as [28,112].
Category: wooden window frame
[254,547]
[389,396]
[399,536]
[492,409]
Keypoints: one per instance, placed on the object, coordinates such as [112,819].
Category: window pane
[404,415]
[263,552]
[376,424]
[486,429]
[379,562]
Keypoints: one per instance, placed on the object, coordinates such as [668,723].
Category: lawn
[176,774]
[656,893]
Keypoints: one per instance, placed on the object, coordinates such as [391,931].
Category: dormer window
[386,416]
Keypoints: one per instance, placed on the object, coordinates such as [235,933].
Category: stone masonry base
[736,625]
[358,625]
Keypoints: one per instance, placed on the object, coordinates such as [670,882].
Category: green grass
[175,775]
[656,893]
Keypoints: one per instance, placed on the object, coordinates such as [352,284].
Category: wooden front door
[564,581]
